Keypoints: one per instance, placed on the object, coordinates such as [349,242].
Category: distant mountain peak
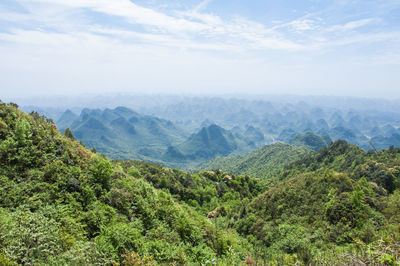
[66,119]
[310,140]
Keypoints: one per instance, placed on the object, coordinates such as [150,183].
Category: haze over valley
[185,131]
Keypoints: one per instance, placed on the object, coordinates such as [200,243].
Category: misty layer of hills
[124,134]
[184,132]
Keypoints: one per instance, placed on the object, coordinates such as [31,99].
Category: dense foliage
[266,162]
[204,190]
[63,204]
[382,167]
[317,217]
[335,205]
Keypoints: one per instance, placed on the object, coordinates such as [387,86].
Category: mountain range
[173,131]
[121,133]
[222,127]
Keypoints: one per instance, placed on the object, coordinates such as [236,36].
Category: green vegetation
[63,204]
[311,141]
[322,218]
[382,167]
[335,205]
[204,190]
[266,162]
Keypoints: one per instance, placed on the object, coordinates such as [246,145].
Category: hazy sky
[192,46]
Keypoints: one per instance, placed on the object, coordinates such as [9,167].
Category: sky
[310,47]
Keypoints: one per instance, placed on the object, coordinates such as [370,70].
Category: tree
[68,134]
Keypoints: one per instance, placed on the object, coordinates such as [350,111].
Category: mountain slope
[266,162]
[204,190]
[319,217]
[66,119]
[328,203]
[382,167]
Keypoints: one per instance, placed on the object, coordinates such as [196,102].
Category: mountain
[311,140]
[316,214]
[122,133]
[340,156]
[381,142]
[265,162]
[66,119]
[286,135]
[332,196]
[254,135]
[208,142]
[381,168]
[321,127]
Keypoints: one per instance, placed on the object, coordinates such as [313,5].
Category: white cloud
[188,30]
[352,25]
[302,25]
[130,11]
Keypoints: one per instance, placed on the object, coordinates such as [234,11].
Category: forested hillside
[323,218]
[204,190]
[63,204]
[382,167]
[266,162]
